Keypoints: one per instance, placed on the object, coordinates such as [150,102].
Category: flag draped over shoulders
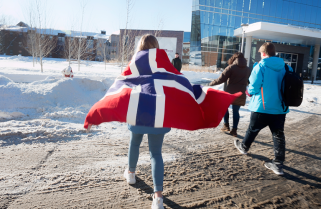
[151,92]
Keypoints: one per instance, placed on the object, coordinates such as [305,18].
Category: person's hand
[247,93]
[89,127]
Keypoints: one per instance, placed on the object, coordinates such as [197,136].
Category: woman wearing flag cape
[153,97]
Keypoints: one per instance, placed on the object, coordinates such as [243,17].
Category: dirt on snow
[204,170]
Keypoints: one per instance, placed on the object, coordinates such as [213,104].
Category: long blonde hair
[147,41]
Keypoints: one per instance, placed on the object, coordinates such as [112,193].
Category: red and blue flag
[151,92]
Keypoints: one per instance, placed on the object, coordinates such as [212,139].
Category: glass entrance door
[289,59]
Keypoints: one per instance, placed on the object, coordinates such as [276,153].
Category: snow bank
[52,97]
[20,69]
[49,95]
[197,77]
[4,80]
[12,115]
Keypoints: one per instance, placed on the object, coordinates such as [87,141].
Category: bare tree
[70,49]
[82,43]
[44,39]
[7,20]
[125,36]
[102,50]
[30,44]
[3,25]
[85,44]
[2,35]
[46,45]
[129,44]
[160,26]
[85,48]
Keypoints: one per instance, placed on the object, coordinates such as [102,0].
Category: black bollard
[312,80]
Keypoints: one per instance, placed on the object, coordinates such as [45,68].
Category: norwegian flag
[151,92]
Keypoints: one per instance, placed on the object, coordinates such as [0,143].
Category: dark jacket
[236,78]
[177,64]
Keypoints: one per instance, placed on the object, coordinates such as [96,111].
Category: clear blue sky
[109,15]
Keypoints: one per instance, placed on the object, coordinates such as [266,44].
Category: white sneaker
[157,203]
[130,177]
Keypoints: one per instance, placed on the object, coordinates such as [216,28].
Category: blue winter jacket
[265,86]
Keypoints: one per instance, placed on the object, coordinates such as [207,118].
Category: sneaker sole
[280,174]
[244,153]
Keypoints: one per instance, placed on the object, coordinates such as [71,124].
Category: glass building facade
[187,37]
[214,22]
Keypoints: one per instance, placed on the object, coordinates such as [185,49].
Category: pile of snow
[198,78]
[12,115]
[53,97]
[20,69]
[4,80]
[49,95]
[26,92]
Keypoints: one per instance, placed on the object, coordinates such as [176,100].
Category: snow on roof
[55,32]
[117,32]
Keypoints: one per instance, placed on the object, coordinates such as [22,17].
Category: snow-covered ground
[42,112]
[47,104]
[28,94]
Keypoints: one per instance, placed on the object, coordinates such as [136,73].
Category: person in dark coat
[177,62]
[235,78]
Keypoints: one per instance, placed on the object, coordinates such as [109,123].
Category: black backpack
[291,89]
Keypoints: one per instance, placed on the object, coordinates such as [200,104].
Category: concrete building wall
[113,46]
[163,33]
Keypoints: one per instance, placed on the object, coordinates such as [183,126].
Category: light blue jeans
[155,142]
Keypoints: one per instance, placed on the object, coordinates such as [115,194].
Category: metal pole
[244,26]
[315,61]
[242,46]
[248,47]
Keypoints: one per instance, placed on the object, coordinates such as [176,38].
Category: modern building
[214,22]
[187,37]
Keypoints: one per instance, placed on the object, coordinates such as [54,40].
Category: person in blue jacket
[155,142]
[265,105]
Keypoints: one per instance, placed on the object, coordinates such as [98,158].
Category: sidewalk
[210,174]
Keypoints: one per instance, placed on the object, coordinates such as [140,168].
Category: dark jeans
[276,124]
[236,115]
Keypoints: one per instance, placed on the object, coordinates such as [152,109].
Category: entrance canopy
[280,33]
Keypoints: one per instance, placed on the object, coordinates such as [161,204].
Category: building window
[90,44]
[20,44]
[11,52]
[61,40]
